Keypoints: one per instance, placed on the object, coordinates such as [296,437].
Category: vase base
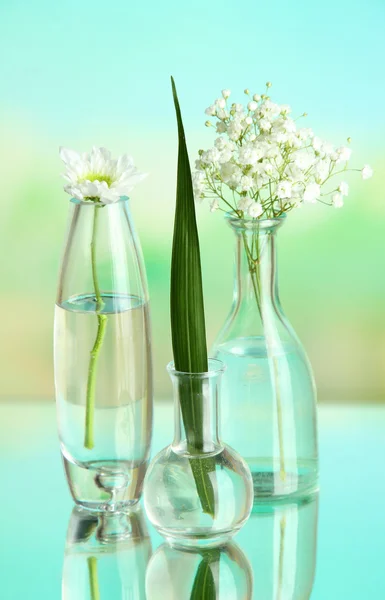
[282,485]
[198,540]
[100,486]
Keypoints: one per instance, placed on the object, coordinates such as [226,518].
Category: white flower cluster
[269,164]
[95,176]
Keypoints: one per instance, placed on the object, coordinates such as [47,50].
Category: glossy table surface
[341,536]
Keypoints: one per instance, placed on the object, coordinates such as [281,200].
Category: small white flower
[210,156]
[284,189]
[321,170]
[304,133]
[255,210]
[312,192]
[289,125]
[214,205]
[366,172]
[343,153]
[96,176]
[337,200]
[343,188]
[221,102]
[247,182]
[234,130]
[285,109]
[211,111]
[264,125]
[226,93]
[221,127]
[317,143]
[256,97]
[303,160]
[249,121]
[244,203]
[252,106]
[238,107]
[222,114]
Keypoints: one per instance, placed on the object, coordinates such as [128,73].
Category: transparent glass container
[102,356]
[280,541]
[268,397]
[106,556]
[191,574]
[198,491]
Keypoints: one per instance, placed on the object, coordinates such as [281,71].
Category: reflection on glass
[193,574]
[106,556]
[280,541]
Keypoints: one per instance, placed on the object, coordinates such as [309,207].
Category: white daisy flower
[95,176]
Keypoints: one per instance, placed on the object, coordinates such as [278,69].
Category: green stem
[93,577]
[102,324]
[255,279]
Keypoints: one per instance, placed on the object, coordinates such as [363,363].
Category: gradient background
[82,73]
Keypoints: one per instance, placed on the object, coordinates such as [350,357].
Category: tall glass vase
[268,398]
[198,491]
[102,355]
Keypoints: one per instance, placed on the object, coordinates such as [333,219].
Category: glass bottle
[102,356]
[106,556]
[193,574]
[198,492]
[280,541]
[268,398]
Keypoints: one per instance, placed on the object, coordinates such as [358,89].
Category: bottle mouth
[215,367]
[93,203]
[250,224]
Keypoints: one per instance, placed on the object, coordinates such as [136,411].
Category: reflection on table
[110,557]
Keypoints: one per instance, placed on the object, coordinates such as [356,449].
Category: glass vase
[281,543]
[106,556]
[193,574]
[269,398]
[198,491]
[102,356]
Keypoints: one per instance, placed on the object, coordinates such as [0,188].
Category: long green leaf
[188,318]
[187,308]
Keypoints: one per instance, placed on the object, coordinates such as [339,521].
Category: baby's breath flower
[366,172]
[255,210]
[312,192]
[211,110]
[261,155]
[337,200]
[344,154]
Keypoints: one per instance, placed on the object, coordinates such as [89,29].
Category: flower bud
[349,140]
[247,91]
[268,84]
[208,123]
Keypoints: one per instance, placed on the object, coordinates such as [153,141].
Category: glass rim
[252,224]
[92,203]
[216,367]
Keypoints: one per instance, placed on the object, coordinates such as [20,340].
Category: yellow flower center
[97,177]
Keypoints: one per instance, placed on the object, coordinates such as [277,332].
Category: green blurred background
[82,73]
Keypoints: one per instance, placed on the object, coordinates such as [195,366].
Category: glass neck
[255,263]
[196,412]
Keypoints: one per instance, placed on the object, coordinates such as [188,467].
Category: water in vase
[267,405]
[110,472]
